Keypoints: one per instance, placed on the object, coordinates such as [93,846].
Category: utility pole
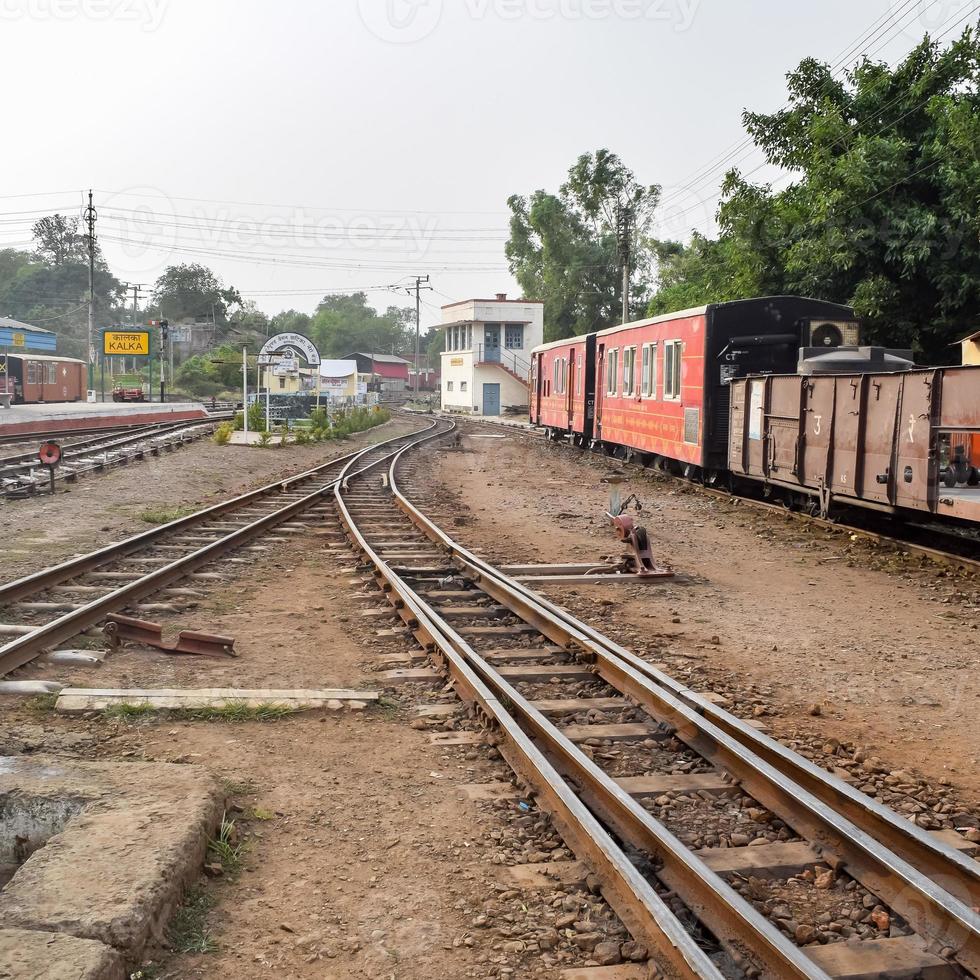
[624,220]
[137,288]
[90,216]
[418,287]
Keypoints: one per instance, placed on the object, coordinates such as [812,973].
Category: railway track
[42,611]
[626,761]
[21,475]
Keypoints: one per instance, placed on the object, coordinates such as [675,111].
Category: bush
[283,435]
[256,417]
[302,436]
[318,418]
[222,435]
[265,437]
[239,422]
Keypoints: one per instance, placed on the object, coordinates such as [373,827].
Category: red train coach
[562,388]
[33,378]
[659,388]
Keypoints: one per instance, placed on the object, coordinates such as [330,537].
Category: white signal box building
[486,364]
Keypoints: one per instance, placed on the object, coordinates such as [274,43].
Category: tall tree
[565,248]
[345,323]
[57,240]
[290,321]
[882,209]
[193,290]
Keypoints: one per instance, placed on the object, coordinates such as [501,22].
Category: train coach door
[600,388]
[916,464]
[570,388]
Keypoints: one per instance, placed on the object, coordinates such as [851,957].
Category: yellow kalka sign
[128,343]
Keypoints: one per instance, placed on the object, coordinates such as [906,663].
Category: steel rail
[64,572]
[940,909]
[20,461]
[624,887]
[947,866]
[29,646]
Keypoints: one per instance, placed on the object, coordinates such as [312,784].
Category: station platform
[25,419]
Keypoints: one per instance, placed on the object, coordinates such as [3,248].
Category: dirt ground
[883,644]
[363,856]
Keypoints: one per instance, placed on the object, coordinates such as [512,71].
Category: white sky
[298,147]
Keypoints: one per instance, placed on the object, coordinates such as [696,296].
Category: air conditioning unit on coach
[832,333]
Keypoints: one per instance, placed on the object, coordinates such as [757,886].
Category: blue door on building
[491,343]
[491,399]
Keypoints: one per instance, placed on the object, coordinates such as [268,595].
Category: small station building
[486,363]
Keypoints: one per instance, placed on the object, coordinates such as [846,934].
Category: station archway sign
[289,346]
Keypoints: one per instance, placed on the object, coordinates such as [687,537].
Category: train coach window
[629,371]
[32,372]
[612,371]
[649,384]
[672,370]
[578,377]
[52,373]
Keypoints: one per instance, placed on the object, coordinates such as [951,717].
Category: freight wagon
[888,440]
[32,378]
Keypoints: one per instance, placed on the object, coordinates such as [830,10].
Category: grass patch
[188,931]
[164,515]
[260,813]
[234,711]
[127,712]
[226,849]
[238,787]
[42,703]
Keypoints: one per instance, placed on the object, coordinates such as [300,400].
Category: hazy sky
[300,147]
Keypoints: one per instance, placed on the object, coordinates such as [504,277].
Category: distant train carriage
[562,400]
[32,378]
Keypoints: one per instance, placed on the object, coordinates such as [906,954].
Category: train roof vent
[854,360]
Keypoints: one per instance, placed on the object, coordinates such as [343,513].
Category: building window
[612,371]
[514,336]
[629,371]
[462,386]
[672,370]
[449,386]
[649,384]
[282,382]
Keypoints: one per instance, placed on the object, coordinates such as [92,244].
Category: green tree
[290,321]
[57,240]
[193,290]
[345,323]
[882,211]
[565,248]
[217,371]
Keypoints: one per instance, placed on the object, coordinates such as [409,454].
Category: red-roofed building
[387,370]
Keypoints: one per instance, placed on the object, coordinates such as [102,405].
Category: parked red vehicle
[135,394]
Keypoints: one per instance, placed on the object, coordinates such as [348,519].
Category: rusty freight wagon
[889,438]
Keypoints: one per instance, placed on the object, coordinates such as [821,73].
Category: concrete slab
[26,955]
[116,845]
